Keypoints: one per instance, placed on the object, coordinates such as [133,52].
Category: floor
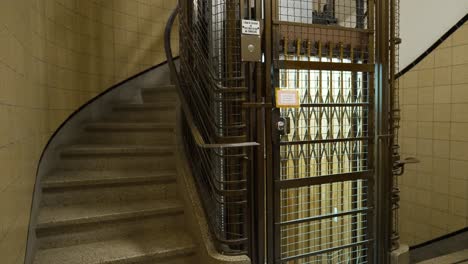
[451,250]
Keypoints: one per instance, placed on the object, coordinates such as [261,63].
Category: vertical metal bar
[258,178]
[369,78]
[383,147]
[393,124]
[270,191]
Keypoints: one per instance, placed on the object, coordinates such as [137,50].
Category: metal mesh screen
[315,236]
[213,86]
[324,51]
[211,66]
[395,89]
[352,255]
[322,200]
[343,13]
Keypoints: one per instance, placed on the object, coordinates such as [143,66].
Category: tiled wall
[434,100]
[54,56]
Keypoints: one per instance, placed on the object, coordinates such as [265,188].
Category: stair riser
[118,162]
[163,97]
[67,196]
[147,115]
[129,138]
[180,260]
[79,234]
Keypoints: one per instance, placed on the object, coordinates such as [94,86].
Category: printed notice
[287,98]
[251,27]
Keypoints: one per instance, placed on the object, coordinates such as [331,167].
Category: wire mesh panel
[213,86]
[324,51]
[395,108]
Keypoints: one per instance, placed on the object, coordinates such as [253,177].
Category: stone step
[159,94]
[109,194]
[179,260]
[110,157]
[129,133]
[159,247]
[128,127]
[115,150]
[52,217]
[88,178]
[148,112]
[85,223]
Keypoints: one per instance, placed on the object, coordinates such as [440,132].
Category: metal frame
[244,114]
[380,177]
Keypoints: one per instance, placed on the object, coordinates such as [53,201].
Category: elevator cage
[322,186]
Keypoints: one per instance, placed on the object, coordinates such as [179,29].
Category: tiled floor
[448,251]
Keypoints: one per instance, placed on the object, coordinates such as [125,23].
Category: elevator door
[322,127]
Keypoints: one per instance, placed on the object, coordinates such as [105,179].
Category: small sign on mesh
[251,27]
[287,98]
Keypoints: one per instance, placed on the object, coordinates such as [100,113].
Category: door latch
[283,126]
[399,165]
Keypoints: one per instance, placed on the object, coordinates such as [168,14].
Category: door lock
[283,126]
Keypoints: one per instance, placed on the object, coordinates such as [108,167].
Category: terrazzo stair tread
[138,248]
[76,234]
[82,178]
[163,111]
[62,216]
[136,191]
[129,126]
[125,150]
[161,138]
[159,95]
[167,87]
[178,260]
[167,106]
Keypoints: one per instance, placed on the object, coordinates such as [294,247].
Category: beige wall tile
[442,174]
[425,147]
[443,57]
[410,113]
[441,149]
[460,54]
[460,37]
[440,184]
[409,96]
[459,131]
[440,202]
[54,56]
[442,112]
[459,112]
[459,169]
[442,76]
[460,93]
[458,207]
[442,130]
[442,94]
[425,130]
[458,188]
[458,150]
[459,75]
[426,95]
[426,78]
[439,217]
[411,79]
